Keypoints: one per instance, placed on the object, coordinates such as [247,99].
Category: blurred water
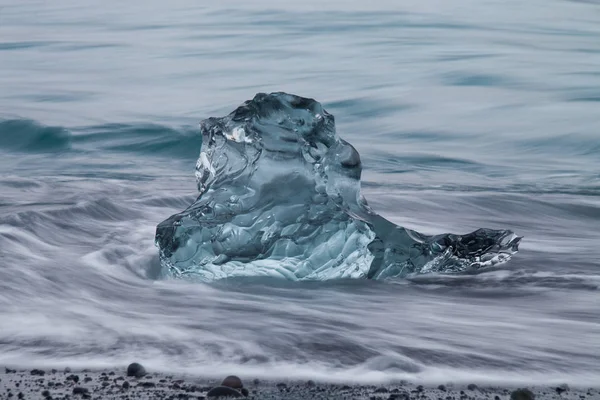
[467,114]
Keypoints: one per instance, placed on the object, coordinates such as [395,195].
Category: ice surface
[280,196]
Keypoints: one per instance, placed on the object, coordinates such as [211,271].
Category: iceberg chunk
[279,195]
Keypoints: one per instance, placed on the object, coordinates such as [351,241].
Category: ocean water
[467,114]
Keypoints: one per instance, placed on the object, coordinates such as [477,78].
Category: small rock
[10,371]
[311,383]
[381,390]
[442,388]
[232,381]
[87,379]
[256,382]
[472,386]
[54,371]
[147,384]
[420,388]
[74,378]
[38,372]
[245,392]
[46,393]
[281,386]
[67,370]
[223,391]
[125,385]
[136,370]
[399,396]
[562,388]
[80,390]
[522,394]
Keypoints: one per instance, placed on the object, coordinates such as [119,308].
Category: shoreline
[115,384]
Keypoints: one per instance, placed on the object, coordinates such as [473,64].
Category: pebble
[472,386]
[136,370]
[38,372]
[223,391]
[522,394]
[399,396]
[562,388]
[80,390]
[232,381]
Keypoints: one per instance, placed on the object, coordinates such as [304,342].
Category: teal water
[468,114]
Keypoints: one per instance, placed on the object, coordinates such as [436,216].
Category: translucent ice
[280,196]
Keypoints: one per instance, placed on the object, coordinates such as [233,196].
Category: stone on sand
[522,394]
[136,370]
[232,381]
[223,391]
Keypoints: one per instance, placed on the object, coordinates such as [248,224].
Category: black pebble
[38,372]
[522,394]
[223,391]
[311,383]
[147,384]
[125,385]
[399,396]
[232,381]
[256,382]
[46,393]
[74,378]
[442,388]
[472,386]
[136,370]
[87,379]
[80,390]
[562,388]
[381,390]
[245,392]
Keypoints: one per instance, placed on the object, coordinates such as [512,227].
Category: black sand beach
[115,384]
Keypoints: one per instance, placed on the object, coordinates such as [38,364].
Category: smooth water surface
[466,114]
